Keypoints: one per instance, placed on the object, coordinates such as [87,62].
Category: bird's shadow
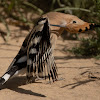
[82,81]
[79,83]
[14,83]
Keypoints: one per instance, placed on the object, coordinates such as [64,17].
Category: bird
[36,53]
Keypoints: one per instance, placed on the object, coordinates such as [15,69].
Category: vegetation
[90,47]
[23,12]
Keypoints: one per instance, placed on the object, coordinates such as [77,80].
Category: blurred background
[24,14]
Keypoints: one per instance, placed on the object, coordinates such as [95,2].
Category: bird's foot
[60,79]
[30,79]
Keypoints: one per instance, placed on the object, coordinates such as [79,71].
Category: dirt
[80,75]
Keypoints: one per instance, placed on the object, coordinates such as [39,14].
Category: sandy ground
[76,85]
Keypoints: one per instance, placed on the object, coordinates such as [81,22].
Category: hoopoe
[36,50]
[35,55]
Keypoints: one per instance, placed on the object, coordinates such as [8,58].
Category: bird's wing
[39,51]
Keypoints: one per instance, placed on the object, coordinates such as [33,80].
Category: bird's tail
[9,73]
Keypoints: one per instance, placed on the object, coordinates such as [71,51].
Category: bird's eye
[74,21]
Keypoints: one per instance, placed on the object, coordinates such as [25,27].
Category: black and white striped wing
[39,52]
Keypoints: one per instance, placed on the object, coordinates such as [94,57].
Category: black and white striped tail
[13,71]
[16,67]
[8,75]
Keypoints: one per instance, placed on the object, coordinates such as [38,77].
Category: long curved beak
[57,25]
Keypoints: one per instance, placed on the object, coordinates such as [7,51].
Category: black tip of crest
[80,30]
[86,29]
[94,25]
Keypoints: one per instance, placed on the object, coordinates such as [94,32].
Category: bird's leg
[38,77]
[30,78]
